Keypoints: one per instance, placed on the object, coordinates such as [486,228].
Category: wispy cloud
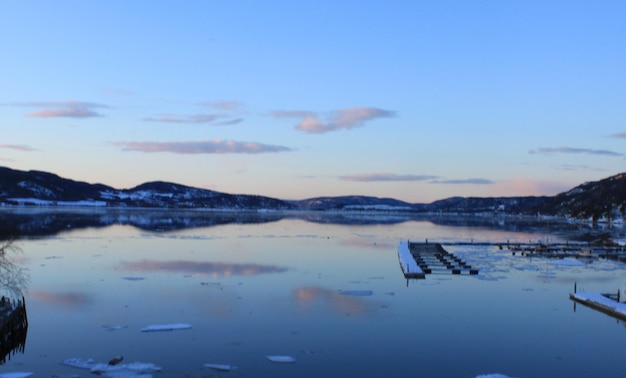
[471,181]
[314,123]
[528,187]
[196,118]
[369,177]
[571,150]
[64,109]
[17,147]
[619,136]
[572,167]
[228,114]
[228,105]
[229,122]
[216,146]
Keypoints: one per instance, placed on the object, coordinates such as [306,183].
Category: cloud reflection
[212,269]
[306,297]
[67,300]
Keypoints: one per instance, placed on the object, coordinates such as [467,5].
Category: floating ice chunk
[358,293]
[493,376]
[567,263]
[16,374]
[80,363]
[281,359]
[165,327]
[115,327]
[131,369]
[221,367]
[134,278]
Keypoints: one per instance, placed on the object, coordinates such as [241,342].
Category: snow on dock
[601,302]
[419,259]
[407,262]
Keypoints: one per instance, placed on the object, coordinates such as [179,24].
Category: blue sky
[415,100]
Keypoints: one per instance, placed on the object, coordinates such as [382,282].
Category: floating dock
[605,303]
[419,259]
[407,262]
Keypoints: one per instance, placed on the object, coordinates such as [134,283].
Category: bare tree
[13,277]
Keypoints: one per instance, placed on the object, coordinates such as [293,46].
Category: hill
[598,201]
[34,188]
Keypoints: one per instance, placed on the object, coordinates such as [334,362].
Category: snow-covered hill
[600,201]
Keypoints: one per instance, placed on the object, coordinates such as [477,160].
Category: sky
[413,100]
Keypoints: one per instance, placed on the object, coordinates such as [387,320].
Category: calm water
[252,288]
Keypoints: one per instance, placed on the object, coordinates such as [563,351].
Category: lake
[325,289]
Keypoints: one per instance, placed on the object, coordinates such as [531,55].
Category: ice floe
[220,367]
[16,374]
[165,327]
[281,359]
[567,263]
[115,327]
[496,375]
[130,370]
[134,278]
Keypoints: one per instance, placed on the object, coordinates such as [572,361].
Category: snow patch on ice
[281,359]
[134,278]
[220,367]
[567,263]
[16,374]
[115,327]
[165,327]
[133,369]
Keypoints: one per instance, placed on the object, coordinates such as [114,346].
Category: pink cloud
[17,147]
[368,177]
[349,118]
[572,150]
[65,109]
[216,146]
[527,187]
[223,105]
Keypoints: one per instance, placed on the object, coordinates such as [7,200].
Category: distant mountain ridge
[35,188]
[603,200]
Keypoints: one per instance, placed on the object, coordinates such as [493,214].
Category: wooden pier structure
[606,303]
[13,327]
[597,249]
[419,259]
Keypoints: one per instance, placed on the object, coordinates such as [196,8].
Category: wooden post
[574,287]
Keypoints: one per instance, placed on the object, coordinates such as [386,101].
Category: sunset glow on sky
[414,100]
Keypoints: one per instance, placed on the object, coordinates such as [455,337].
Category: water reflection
[66,300]
[309,298]
[211,269]
[280,287]
[46,222]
